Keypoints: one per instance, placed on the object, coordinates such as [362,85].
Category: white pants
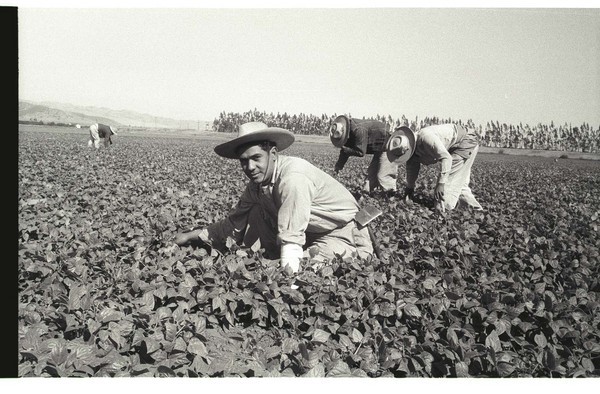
[381,172]
[457,186]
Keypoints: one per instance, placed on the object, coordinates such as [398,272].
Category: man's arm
[360,139]
[233,225]
[356,146]
[341,162]
[434,147]
[297,192]
[413,167]
[412,173]
[445,159]
[194,236]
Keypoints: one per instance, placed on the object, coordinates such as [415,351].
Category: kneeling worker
[289,206]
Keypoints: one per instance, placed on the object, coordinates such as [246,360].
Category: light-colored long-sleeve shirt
[301,199]
[439,143]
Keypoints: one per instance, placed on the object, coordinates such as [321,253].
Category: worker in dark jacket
[358,137]
[98,131]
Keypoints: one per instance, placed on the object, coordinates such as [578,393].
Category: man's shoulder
[294,167]
[368,124]
[435,129]
[292,163]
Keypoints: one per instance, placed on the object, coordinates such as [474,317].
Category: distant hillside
[42,113]
[69,113]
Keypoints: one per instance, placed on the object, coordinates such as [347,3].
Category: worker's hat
[338,131]
[255,132]
[401,145]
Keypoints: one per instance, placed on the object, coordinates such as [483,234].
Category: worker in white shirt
[291,208]
[453,145]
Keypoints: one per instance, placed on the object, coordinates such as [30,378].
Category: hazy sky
[514,65]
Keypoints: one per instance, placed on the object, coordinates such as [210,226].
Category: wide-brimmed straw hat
[255,132]
[401,145]
[338,131]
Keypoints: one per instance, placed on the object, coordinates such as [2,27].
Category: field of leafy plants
[513,291]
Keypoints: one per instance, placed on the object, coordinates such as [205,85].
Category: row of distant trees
[40,122]
[581,138]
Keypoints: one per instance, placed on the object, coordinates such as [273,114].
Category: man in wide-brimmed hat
[289,206]
[359,137]
[453,145]
[101,131]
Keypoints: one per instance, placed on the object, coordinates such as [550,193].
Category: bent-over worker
[453,145]
[101,131]
[358,137]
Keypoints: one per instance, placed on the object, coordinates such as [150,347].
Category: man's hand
[183,239]
[440,206]
[291,254]
[187,237]
[409,194]
[439,192]
[195,238]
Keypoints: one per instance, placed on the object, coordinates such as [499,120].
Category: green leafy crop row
[509,292]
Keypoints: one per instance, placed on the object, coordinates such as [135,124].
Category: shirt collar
[269,186]
[275,170]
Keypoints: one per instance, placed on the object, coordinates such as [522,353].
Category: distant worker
[98,131]
[453,145]
[358,137]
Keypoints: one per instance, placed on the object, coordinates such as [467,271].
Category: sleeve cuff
[291,254]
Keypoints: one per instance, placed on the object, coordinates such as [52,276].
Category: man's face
[400,145]
[402,150]
[258,164]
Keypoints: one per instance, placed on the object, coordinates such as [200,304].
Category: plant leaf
[320,336]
